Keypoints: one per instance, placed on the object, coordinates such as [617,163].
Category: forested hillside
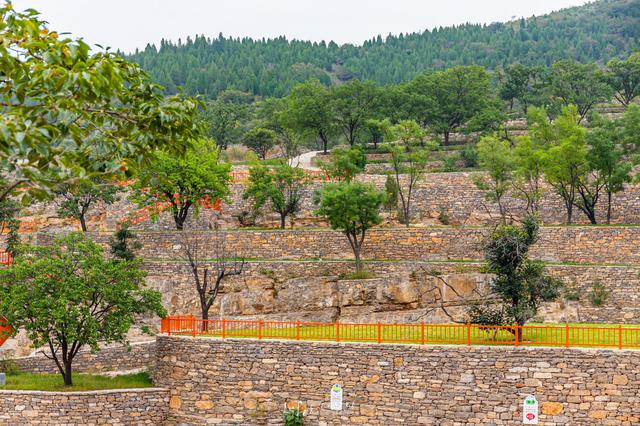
[595,32]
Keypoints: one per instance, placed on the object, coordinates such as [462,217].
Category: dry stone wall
[113,407]
[577,244]
[138,355]
[249,382]
[439,199]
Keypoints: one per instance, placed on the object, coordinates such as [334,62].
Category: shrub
[599,294]
[293,417]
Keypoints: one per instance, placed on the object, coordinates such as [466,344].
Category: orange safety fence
[242,176]
[5,330]
[5,258]
[561,335]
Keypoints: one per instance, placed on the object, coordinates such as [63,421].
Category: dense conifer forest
[593,33]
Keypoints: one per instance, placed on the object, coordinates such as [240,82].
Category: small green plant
[599,294]
[8,364]
[469,156]
[450,163]
[358,275]
[443,216]
[293,417]
[391,189]
[572,294]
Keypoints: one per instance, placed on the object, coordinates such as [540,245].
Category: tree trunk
[609,196]
[83,223]
[68,381]
[283,218]
[446,137]
[356,253]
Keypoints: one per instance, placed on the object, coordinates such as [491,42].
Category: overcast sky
[131,24]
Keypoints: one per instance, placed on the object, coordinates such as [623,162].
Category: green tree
[345,163]
[408,132]
[68,295]
[515,84]
[377,131]
[352,208]
[68,112]
[353,103]
[581,85]
[123,243]
[528,158]
[495,156]
[282,187]
[408,168]
[222,120]
[182,182]
[76,199]
[309,111]
[260,141]
[565,160]
[9,210]
[624,77]
[609,167]
[459,94]
[519,282]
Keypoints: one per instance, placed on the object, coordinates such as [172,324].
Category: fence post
[517,334]
[193,326]
[379,332]
[223,327]
[468,333]
[297,330]
[260,329]
[337,331]
[422,332]
[566,327]
[619,336]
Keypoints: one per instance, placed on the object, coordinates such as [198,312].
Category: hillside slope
[595,32]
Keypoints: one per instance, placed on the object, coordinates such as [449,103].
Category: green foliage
[309,111]
[352,208]
[358,275]
[469,156]
[69,112]
[76,199]
[391,192]
[222,119]
[528,158]
[494,156]
[69,295]
[520,283]
[624,78]
[344,163]
[260,141]
[408,169]
[408,132]
[281,186]
[595,32]
[353,103]
[9,210]
[123,243]
[599,294]
[487,314]
[580,85]
[183,181]
[293,417]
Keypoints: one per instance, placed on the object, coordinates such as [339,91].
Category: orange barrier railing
[5,258]
[604,336]
[146,213]
[242,176]
[5,330]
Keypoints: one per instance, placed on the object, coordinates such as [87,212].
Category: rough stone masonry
[249,382]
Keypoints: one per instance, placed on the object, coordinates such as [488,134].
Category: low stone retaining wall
[249,382]
[110,407]
[116,358]
[575,244]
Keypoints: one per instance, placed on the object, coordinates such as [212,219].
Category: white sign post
[336,397]
[530,410]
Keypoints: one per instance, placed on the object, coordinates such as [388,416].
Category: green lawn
[81,382]
[577,335]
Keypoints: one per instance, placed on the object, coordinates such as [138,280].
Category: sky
[130,24]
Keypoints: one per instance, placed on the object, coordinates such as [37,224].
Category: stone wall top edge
[425,347]
[39,355]
[83,393]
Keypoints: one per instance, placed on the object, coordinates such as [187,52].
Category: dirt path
[304,160]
